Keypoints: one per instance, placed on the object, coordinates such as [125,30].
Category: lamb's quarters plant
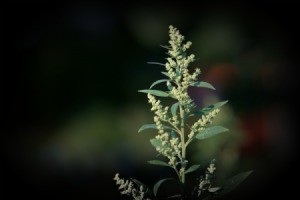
[174,134]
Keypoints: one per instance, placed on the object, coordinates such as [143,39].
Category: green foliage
[214,189]
[155,93]
[158,162]
[157,82]
[155,63]
[165,73]
[151,126]
[156,143]
[174,108]
[176,196]
[192,169]
[203,85]
[211,131]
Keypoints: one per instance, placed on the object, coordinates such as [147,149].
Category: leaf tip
[249,172]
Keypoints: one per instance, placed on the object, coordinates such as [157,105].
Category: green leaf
[157,82]
[210,108]
[152,126]
[155,93]
[139,183]
[209,132]
[174,108]
[166,47]
[165,73]
[158,184]
[147,126]
[214,189]
[192,169]
[176,196]
[170,87]
[156,143]
[155,63]
[158,162]
[233,182]
[203,85]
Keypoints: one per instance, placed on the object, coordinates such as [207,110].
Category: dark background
[70,108]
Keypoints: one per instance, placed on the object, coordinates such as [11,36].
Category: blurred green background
[71,72]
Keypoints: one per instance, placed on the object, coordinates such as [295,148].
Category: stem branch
[183,153]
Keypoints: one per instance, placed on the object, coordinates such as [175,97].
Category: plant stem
[174,167]
[183,153]
[176,128]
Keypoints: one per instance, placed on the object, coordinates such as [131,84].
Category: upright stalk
[183,152]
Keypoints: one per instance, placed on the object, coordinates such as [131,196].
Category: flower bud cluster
[203,122]
[158,109]
[128,188]
[205,182]
[170,147]
[177,69]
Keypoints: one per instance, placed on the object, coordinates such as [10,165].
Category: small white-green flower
[211,169]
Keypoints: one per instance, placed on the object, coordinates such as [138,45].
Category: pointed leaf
[214,189]
[170,87]
[147,126]
[233,182]
[172,96]
[139,183]
[158,184]
[203,84]
[165,73]
[156,143]
[152,126]
[210,108]
[174,108]
[166,47]
[158,162]
[178,196]
[192,169]
[209,132]
[157,82]
[155,93]
[155,63]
